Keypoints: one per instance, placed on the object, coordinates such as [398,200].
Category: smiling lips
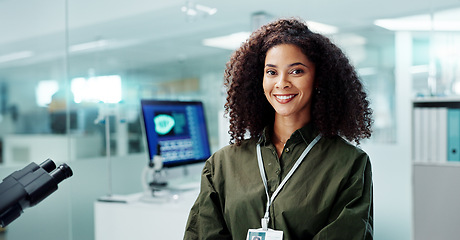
[284,98]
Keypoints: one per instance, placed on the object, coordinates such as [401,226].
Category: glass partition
[372,54]
[32,71]
[436,64]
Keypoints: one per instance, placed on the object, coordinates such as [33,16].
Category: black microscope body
[29,186]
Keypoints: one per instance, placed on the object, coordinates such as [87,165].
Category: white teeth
[285,97]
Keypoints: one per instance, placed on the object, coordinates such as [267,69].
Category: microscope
[29,186]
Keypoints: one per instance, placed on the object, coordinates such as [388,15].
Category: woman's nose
[283,82]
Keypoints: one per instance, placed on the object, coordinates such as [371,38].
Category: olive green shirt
[328,197]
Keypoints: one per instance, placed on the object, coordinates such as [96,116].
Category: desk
[143,219]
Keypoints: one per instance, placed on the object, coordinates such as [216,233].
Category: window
[97,89]
[45,91]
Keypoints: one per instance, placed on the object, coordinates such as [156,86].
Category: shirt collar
[307,133]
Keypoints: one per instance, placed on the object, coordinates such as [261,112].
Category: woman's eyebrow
[290,65]
[297,63]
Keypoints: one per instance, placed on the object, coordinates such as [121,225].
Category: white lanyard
[266,217]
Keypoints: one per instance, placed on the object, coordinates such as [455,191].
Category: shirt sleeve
[352,214]
[206,219]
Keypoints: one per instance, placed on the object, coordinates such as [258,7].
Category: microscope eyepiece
[48,165]
[62,172]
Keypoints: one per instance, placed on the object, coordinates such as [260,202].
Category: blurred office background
[64,63]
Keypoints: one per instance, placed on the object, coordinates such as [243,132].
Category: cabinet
[436,168]
[436,130]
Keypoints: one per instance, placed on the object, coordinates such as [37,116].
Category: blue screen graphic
[178,129]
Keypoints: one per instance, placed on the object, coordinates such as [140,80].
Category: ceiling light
[448,20]
[412,23]
[15,56]
[191,9]
[208,10]
[230,42]
[88,45]
[234,40]
[321,27]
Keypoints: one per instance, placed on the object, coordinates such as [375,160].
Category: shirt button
[277,171]
[287,150]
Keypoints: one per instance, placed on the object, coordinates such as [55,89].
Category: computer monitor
[177,129]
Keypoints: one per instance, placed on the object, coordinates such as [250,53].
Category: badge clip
[264,223]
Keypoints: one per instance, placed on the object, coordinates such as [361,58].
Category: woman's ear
[316,87]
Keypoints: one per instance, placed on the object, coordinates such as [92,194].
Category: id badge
[260,234]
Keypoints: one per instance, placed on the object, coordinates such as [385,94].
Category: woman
[299,99]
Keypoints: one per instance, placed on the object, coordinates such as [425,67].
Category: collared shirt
[328,197]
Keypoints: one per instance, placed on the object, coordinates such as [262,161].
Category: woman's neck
[285,126]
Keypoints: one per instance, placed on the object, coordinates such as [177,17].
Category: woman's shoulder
[344,147]
[231,156]
[344,156]
[246,146]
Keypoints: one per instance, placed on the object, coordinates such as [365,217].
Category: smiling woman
[339,105]
[299,97]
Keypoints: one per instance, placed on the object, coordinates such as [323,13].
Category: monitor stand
[185,181]
[158,188]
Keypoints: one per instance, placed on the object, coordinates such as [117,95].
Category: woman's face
[288,81]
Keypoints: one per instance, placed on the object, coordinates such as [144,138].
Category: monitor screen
[177,129]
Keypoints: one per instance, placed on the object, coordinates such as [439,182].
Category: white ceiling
[147,33]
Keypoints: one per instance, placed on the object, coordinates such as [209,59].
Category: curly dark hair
[339,103]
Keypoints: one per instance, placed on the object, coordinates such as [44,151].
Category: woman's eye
[270,72]
[297,71]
